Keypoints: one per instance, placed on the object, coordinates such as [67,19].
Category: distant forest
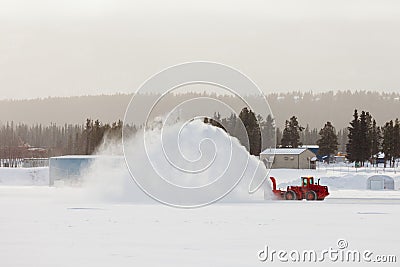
[59,126]
[312,109]
[22,140]
[37,141]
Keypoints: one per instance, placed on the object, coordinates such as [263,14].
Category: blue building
[314,149]
[70,169]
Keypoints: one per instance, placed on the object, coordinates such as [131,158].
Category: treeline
[367,139]
[262,133]
[362,141]
[95,132]
[21,140]
[252,131]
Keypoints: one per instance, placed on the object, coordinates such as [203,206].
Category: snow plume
[180,161]
[183,164]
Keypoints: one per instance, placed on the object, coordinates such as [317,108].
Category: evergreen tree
[231,123]
[353,144]
[267,132]
[252,126]
[375,137]
[96,135]
[291,133]
[328,141]
[364,139]
[396,141]
[88,134]
[388,142]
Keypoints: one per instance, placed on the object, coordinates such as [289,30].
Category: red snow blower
[308,190]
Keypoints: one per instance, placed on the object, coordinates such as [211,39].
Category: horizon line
[352,91]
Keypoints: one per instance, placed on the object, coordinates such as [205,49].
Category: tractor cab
[307,181]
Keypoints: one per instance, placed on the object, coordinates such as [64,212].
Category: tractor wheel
[311,195]
[290,195]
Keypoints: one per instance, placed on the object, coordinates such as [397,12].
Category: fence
[350,168]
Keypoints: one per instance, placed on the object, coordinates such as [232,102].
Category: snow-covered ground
[64,226]
[24,176]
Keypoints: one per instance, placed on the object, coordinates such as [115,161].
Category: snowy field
[66,226]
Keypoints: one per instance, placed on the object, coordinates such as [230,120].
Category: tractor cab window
[307,181]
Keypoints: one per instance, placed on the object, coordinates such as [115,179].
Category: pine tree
[353,144]
[328,141]
[88,134]
[250,122]
[388,142]
[375,137]
[267,132]
[396,141]
[231,123]
[364,139]
[96,135]
[291,133]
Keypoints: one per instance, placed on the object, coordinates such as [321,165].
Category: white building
[289,158]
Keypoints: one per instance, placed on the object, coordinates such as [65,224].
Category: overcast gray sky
[76,47]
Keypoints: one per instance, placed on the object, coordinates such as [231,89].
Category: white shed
[380,182]
[289,158]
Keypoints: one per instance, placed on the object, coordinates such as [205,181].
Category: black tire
[290,195]
[311,195]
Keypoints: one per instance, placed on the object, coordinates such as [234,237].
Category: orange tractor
[308,190]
